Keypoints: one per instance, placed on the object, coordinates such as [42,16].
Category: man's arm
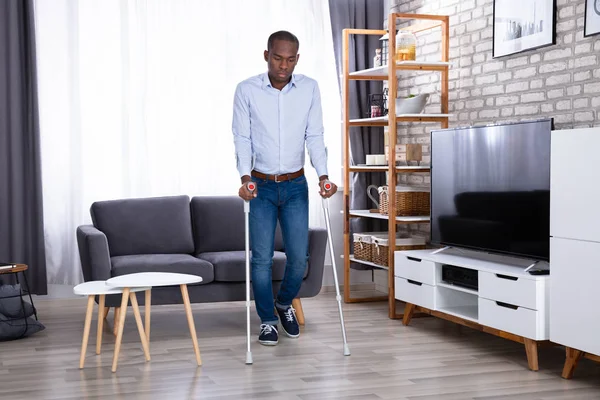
[314,135]
[241,134]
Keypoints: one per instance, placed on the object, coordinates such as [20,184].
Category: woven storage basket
[410,201]
[381,247]
[363,245]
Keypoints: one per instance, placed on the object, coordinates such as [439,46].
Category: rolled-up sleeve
[315,141]
[241,132]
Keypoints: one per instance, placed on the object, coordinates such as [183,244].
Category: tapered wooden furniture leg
[106,310]
[101,310]
[573,357]
[140,326]
[190,318]
[147,314]
[86,329]
[409,309]
[121,323]
[297,304]
[531,349]
[116,324]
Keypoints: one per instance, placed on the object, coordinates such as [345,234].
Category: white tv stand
[508,301]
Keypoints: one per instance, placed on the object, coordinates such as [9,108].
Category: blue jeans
[287,202]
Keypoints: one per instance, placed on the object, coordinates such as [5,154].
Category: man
[275,114]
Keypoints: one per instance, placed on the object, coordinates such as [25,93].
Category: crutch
[327,185]
[251,187]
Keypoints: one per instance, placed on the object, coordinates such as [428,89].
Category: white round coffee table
[101,289]
[151,279]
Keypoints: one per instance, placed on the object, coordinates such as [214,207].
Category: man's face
[282,60]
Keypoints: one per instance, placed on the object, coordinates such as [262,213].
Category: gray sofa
[204,236]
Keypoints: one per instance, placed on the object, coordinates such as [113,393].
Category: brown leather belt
[279,178]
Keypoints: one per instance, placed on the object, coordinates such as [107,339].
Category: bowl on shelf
[411,105]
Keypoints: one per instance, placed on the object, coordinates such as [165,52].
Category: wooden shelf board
[406,220]
[399,169]
[383,121]
[352,259]
[381,73]
[369,168]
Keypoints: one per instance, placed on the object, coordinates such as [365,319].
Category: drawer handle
[414,259]
[510,278]
[506,305]
[414,282]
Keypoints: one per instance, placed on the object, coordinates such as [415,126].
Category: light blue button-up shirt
[271,127]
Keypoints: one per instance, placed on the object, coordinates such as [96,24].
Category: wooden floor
[431,359]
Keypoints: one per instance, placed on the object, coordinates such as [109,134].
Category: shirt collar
[266,82]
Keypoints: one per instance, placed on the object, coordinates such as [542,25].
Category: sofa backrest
[154,225]
[218,224]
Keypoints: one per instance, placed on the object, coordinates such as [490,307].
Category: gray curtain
[21,218]
[360,14]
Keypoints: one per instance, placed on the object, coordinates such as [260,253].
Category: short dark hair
[282,35]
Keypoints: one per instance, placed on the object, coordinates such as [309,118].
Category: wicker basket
[410,201]
[363,245]
[381,247]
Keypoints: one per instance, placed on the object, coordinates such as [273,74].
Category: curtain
[360,14]
[136,100]
[21,214]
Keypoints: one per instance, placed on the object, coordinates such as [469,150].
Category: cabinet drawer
[415,292]
[513,290]
[414,268]
[509,318]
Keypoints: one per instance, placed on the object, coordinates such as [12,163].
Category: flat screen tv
[490,188]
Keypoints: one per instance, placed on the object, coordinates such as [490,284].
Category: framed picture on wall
[521,25]
[592,18]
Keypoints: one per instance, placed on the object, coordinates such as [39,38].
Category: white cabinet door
[575,294]
[575,184]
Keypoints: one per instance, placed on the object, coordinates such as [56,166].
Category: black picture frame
[591,18]
[522,25]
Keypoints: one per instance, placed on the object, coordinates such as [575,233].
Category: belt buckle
[276,178]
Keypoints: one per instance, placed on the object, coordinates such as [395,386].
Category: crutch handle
[327,185]
[251,186]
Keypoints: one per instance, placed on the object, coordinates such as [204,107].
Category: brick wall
[560,81]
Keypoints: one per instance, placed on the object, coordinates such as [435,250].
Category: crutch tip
[249,358]
[346,350]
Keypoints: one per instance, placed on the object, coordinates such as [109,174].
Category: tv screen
[490,188]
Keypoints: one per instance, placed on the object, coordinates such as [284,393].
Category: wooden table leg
[116,323]
[101,317]
[572,358]
[409,309]
[531,349]
[86,329]
[297,304]
[190,318]
[138,321]
[121,323]
[147,302]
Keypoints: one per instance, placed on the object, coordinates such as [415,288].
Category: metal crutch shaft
[327,185]
[251,187]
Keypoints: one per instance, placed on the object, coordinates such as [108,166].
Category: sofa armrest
[317,244]
[94,253]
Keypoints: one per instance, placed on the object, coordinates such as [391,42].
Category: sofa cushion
[218,223]
[230,266]
[178,263]
[154,225]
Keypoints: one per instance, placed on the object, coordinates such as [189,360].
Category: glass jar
[406,46]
